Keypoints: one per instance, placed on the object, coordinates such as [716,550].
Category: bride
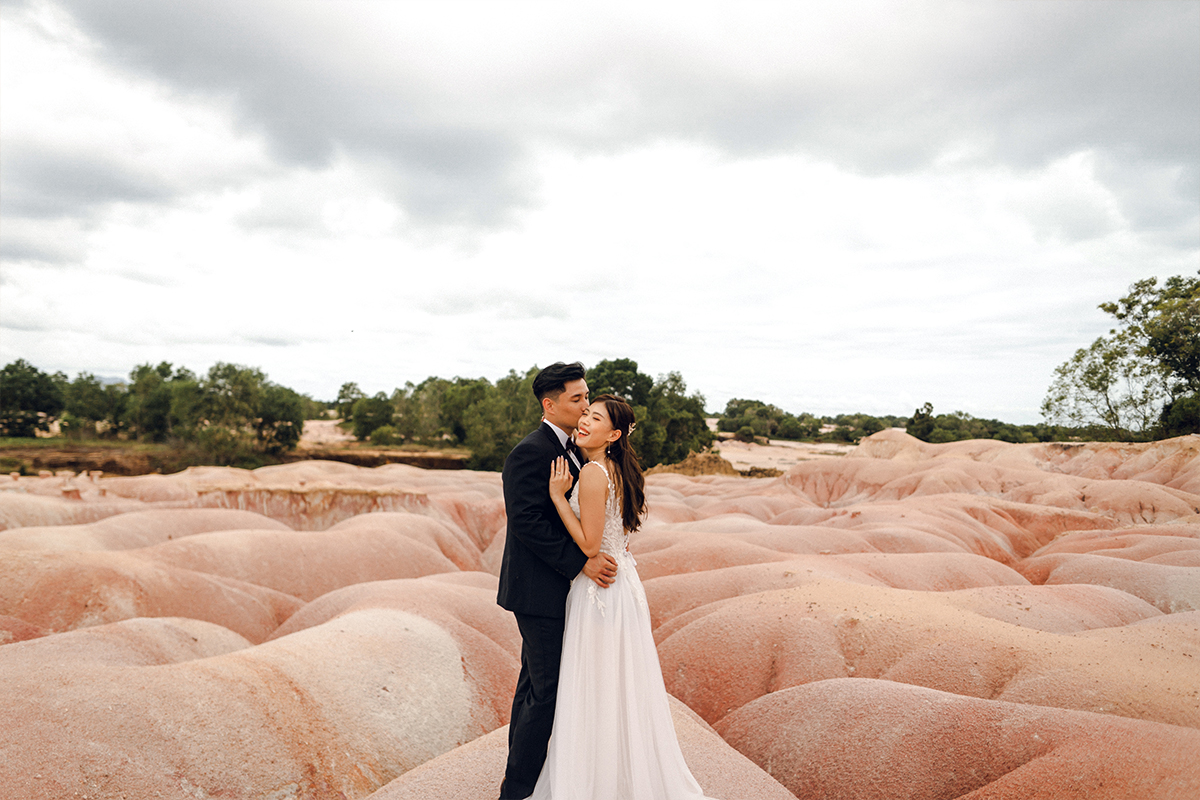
[613,738]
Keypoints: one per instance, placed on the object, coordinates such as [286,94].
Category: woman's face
[595,428]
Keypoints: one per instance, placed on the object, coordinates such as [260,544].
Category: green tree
[161,400]
[280,421]
[29,399]
[231,395]
[805,426]
[419,410]
[1138,381]
[620,376]
[764,419]
[220,412]
[922,423]
[1162,325]
[670,422]
[768,420]
[1181,416]
[348,395]
[115,422]
[458,396]
[500,418]
[370,413]
[674,423]
[86,399]
[1106,387]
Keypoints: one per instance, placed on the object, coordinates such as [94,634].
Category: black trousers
[533,704]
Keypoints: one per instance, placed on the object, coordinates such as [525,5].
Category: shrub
[384,435]
[371,413]
[1181,416]
[941,436]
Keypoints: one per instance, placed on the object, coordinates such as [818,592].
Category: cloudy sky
[838,206]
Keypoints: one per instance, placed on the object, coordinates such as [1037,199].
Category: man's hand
[602,569]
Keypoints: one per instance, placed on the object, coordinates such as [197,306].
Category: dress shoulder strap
[599,464]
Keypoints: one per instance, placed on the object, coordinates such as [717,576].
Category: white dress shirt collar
[562,439]
[559,432]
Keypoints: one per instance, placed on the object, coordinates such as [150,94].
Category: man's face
[566,409]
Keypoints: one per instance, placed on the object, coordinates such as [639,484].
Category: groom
[540,559]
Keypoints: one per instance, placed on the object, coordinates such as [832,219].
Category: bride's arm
[588,528]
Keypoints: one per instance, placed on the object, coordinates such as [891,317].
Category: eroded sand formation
[971,620]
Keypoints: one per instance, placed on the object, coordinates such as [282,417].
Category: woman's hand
[560,478]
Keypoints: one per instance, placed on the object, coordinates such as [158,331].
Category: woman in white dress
[613,738]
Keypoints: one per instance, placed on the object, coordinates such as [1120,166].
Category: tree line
[234,415]
[490,418]
[750,420]
[1140,382]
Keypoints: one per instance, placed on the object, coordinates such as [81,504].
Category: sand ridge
[969,620]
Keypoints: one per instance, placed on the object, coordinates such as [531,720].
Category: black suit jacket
[540,557]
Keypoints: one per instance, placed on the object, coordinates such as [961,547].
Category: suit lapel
[562,451]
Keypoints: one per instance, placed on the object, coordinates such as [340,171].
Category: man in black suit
[540,560]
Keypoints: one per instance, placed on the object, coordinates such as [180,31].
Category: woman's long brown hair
[630,484]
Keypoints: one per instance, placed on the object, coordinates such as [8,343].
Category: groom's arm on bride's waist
[532,518]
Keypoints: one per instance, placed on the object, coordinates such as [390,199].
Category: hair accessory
[632,425]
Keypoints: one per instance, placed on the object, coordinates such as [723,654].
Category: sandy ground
[779,454]
[322,433]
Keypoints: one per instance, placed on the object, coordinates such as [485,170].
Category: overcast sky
[834,207]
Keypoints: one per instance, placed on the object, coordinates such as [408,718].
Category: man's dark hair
[553,380]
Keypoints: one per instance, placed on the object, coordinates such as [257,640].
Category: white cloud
[833,208]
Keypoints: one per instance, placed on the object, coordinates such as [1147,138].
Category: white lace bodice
[615,540]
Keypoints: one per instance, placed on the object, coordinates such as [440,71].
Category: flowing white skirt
[613,738]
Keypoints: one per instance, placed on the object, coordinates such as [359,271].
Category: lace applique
[594,597]
[614,540]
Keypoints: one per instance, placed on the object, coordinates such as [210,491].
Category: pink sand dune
[307,564]
[1065,608]
[855,738]
[24,510]
[975,619]
[133,530]
[450,540]
[151,488]
[137,642]
[831,629]
[727,542]
[992,527]
[461,603]
[674,594]
[1165,586]
[1138,544]
[477,514]
[760,507]
[473,771]
[18,630]
[1127,502]
[337,710]
[1174,463]
[69,590]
